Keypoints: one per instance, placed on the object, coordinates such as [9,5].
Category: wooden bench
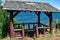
[37,30]
[44,28]
[19,33]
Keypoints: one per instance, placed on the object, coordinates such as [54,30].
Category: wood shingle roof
[29,6]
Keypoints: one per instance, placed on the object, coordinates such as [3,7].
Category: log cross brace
[16,14]
[49,14]
[36,13]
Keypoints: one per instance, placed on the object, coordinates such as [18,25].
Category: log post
[37,33]
[28,26]
[23,31]
[50,22]
[11,26]
[11,30]
[38,19]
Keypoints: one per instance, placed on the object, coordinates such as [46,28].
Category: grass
[7,38]
[48,36]
[41,37]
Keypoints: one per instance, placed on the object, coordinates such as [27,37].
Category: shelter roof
[29,6]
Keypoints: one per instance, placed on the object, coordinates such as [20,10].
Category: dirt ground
[57,37]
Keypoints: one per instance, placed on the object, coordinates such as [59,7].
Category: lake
[24,17]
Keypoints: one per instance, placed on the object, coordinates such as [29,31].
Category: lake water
[25,17]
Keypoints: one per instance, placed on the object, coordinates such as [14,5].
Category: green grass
[7,38]
[57,31]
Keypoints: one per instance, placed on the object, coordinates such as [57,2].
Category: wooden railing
[34,27]
[29,25]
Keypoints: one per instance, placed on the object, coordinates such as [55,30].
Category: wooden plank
[30,23]
[17,29]
[31,30]
[43,27]
[19,37]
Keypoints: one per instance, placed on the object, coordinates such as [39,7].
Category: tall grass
[41,37]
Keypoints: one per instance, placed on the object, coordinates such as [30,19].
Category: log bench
[38,28]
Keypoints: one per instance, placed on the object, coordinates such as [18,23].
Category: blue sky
[55,3]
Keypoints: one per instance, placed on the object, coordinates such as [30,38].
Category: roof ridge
[27,1]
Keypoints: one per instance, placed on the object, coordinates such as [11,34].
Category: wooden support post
[23,31]
[11,16]
[50,22]
[29,26]
[11,30]
[44,30]
[37,33]
[18,26]
[11,26]
[33,26]
[38,19]
[23,24]
[38,14]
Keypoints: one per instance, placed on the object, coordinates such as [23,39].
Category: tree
[4,22]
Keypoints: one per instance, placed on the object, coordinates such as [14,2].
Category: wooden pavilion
[37,7]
